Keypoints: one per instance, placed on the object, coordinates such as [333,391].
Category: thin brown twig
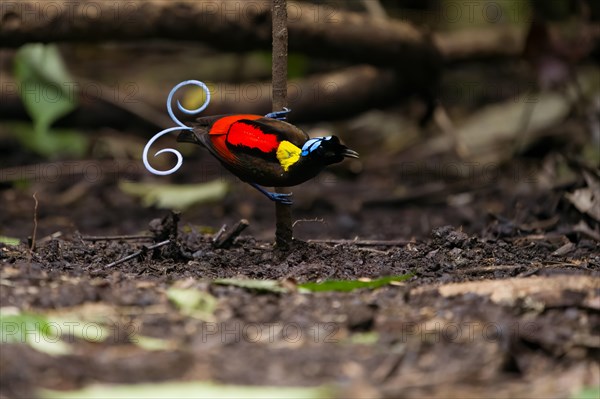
[119,237]
[138,253]
[369,243]
[32,242]
[491,269]
[532,268]
[279,35]
[313,220]
[35,224]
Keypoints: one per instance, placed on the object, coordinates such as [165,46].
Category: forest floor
[502,297]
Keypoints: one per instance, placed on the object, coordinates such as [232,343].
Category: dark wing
[247,144]
[247,164]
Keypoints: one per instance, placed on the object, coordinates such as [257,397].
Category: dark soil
[536,335]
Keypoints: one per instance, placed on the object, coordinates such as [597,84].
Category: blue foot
[277,197]
[280,115]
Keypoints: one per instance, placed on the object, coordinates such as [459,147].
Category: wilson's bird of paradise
[266,150]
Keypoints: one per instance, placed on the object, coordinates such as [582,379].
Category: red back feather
[237,131]
[221,126]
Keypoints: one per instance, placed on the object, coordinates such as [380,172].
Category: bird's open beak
[348,153]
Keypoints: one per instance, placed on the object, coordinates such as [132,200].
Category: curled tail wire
[180,126]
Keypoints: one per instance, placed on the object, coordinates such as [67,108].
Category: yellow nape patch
[288,154]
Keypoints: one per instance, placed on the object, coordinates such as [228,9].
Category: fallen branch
[90,170]
[337,94]
[235,26]
[140,109]
[219,234]
[50,237]
[231,25]
[480,44]
[224,239]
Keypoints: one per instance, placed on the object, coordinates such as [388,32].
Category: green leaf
[48,93]
[53,142]
[190,390]
[587,393]
[31,329]
[9,240]
[152,343]
[87,330]
[14,327]
[47,90]
[351,285]
[297,65]
[193,303]
[329,285]
[258,285]
[172,196]
[364,338]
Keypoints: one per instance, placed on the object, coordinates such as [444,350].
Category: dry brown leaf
[547,290]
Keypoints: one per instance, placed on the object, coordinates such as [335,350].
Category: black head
[326,150]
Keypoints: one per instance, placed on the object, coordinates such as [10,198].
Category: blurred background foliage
[535,91]
[142,72]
